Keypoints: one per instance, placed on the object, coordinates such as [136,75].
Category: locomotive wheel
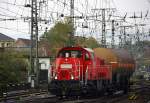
[84,91]
[89,90]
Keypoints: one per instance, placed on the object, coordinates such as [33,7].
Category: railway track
[102,99]
[16,95]
[75,100]
[138,94]
[44,97]
[53,99]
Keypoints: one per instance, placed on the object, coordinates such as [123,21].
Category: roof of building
[5,38]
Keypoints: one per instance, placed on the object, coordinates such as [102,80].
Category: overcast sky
[19,28]
[132,5]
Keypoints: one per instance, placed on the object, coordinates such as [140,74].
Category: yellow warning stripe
[133,97]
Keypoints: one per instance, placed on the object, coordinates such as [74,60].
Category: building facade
[6,41]
[23,43]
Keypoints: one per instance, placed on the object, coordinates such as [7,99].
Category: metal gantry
[104,13]
[123,43]
[34,44]
[72,21]
[113,34]
[103,41]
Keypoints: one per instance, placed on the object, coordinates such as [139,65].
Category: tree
[89,42]
[12,64]
[58,36]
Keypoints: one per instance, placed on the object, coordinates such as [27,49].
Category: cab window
[87,57]
[70,53]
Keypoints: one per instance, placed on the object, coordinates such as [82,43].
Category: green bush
[12,64]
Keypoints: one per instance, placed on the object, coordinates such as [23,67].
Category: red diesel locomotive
[80,71]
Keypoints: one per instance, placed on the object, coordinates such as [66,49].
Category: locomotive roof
[89,49]
[77,48]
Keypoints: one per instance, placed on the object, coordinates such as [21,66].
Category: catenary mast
[34,44]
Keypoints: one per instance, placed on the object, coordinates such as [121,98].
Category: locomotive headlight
[56,77]
[72,77]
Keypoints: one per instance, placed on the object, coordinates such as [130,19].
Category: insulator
[62,15]
[81,17]
[27,5]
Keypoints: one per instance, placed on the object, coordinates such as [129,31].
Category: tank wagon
[81,71]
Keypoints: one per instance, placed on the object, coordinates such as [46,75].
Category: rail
[22,94]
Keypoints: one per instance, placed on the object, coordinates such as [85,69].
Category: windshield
[70,53]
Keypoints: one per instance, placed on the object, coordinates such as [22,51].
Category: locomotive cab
[71,64]
[67,65]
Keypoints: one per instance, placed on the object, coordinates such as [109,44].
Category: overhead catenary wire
[49,13]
